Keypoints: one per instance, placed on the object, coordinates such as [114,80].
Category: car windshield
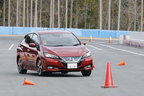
[59,39]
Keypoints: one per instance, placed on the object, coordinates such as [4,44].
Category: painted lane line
[11,47]
[6,49]
[6,55]
[122,50]
[94,47]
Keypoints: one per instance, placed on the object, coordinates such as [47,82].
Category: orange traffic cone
[28,82]
[110,40]
[108,80]
[93,66]
[121,63]
[90,40]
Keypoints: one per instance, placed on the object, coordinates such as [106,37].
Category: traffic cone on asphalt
[121,63]
[93,66]
[110,40]
[28,82]
[90,40]
[108,80]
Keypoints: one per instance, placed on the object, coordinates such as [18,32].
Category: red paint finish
[26,58]
[30,52]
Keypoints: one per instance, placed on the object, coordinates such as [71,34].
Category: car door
[33,51]
[26,50]
[22,54]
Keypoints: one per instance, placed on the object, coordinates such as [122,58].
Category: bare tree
[51,2]
[58,13]
[23,13]
[9,13]
[109,15]
[35,19]
[141,15]
[100,13]
[86,13]
[4,13]
[53,15]
[31,23]
[119,10]
[17,13]
[77,15]
[19,19]
[71,13]
[66,14]
[135,14]
[40,12]
[27,13]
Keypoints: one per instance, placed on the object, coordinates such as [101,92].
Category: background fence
[78,32]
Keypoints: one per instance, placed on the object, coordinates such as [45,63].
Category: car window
[28,38]
[35,38]
[59,39]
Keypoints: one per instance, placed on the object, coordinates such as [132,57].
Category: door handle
[28,49]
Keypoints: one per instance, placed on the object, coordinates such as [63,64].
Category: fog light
[51,67]
[88,66]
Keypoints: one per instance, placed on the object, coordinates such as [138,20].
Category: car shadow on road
[55,75]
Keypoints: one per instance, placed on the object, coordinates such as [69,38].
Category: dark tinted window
[28,38]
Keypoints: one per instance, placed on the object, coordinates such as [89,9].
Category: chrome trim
[72,61]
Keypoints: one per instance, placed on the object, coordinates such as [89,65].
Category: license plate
[72,65]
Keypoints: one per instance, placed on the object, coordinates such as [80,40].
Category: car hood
[79,50]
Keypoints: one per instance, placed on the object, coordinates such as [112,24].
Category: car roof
[50,31]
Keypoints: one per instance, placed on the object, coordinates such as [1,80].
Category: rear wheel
[20,68]
[40,68]
[86,72]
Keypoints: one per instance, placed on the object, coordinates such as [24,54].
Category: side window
[28,38]
[35,38]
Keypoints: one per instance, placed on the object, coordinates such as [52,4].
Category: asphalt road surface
[129,79]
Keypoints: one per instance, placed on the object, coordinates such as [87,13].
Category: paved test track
[129,79]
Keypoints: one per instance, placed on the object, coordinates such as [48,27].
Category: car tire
[64,72]
[86,72]
[40,68]
[20,68]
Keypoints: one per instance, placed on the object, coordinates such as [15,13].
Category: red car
[53,51]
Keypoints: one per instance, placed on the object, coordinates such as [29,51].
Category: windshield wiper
[76,44]
[54,45]
[59,45]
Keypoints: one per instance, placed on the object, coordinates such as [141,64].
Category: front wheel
[86,72]
[20,68]
[40,68]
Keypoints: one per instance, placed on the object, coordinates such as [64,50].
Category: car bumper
[60,65]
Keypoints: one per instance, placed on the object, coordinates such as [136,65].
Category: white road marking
[94,47]
[6,55]
[122,50]
[11,47]
[6,49]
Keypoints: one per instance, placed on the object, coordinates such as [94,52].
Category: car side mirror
[84,43]
[32,45]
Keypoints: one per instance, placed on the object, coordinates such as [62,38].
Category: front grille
[78,63]
[71,59]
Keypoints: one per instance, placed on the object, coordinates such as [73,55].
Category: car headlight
[51,56]
[87,55]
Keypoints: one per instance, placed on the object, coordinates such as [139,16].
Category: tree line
[88,14]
